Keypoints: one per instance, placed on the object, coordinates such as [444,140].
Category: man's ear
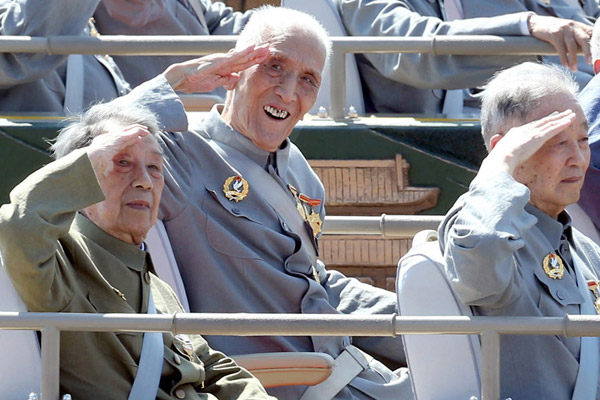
[596,66]
[494,140]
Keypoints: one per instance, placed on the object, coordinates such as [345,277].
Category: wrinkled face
[554,174]
[132,186]
[271,97]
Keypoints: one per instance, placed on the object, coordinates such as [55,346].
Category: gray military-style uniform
[37,82]
[494,244]
[243,257]
[413,83]
[163,17]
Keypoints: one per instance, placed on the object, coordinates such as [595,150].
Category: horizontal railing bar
[445,45]
[386,225]
[199,45]
[302,324]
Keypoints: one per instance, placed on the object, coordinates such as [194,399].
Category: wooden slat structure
[369,187]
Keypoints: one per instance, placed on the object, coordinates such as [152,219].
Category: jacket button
[180,393]
[147,277]
[177,359]
[559,295]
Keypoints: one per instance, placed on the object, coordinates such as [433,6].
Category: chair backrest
[441,366]
[163,258]
[20,360]
[327,14]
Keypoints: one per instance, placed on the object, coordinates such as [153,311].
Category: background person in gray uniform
[242,208]
[590,102]
[53,83]
[163,17]
[508,244]
[413,83]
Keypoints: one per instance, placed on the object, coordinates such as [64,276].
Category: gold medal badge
[236,188]
[593,286]
[553,266]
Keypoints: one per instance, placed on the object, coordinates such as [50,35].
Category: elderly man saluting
[72,241]
[508,243]
[243,210]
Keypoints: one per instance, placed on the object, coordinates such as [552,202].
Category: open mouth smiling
[275,113]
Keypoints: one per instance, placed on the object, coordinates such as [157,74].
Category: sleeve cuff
[524,25]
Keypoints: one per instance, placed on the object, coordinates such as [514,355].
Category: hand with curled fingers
[104,148]
[567,36]
[208,73]
[521,142]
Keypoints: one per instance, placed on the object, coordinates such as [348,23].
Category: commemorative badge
[306,208]
[593,286]
[313,219]
[236,188]
[553,266]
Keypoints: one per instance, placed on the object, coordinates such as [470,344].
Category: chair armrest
[287,368]
[199,102]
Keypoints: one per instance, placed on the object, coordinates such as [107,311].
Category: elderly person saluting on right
[72,241]
[508,243]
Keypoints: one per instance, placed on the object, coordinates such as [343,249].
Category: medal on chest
[306,208]
[553,266]
[593,286]
[236,188]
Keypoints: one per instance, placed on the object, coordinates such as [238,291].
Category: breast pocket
[233,228]
[557,295]
[122,346]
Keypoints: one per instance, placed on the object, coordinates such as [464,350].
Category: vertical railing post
[490,369]
[50,363]
[337,76]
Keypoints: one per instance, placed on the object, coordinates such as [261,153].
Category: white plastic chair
[272,369]
[20,362]
[326,12]
[441,366]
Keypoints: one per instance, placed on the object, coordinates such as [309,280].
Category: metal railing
[201,45]
[384,225]
[490,329]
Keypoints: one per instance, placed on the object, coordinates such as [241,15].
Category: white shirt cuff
[523,25]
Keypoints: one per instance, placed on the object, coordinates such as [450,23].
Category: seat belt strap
[74,85]
[586,383]
[346,367]
[147,378]
[198,11]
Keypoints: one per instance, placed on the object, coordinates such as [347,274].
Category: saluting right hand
[105,147]
[520,143]
[207,73]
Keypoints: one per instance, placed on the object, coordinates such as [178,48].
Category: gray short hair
[514,93]
[94,122]
[595,41]
[267,21]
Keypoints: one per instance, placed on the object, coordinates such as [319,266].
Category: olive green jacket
[61,261]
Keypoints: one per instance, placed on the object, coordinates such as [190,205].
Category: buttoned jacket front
[494,246]
[245,255]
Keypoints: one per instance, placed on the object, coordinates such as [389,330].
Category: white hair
[514,93]
[94,122]
[268,21]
